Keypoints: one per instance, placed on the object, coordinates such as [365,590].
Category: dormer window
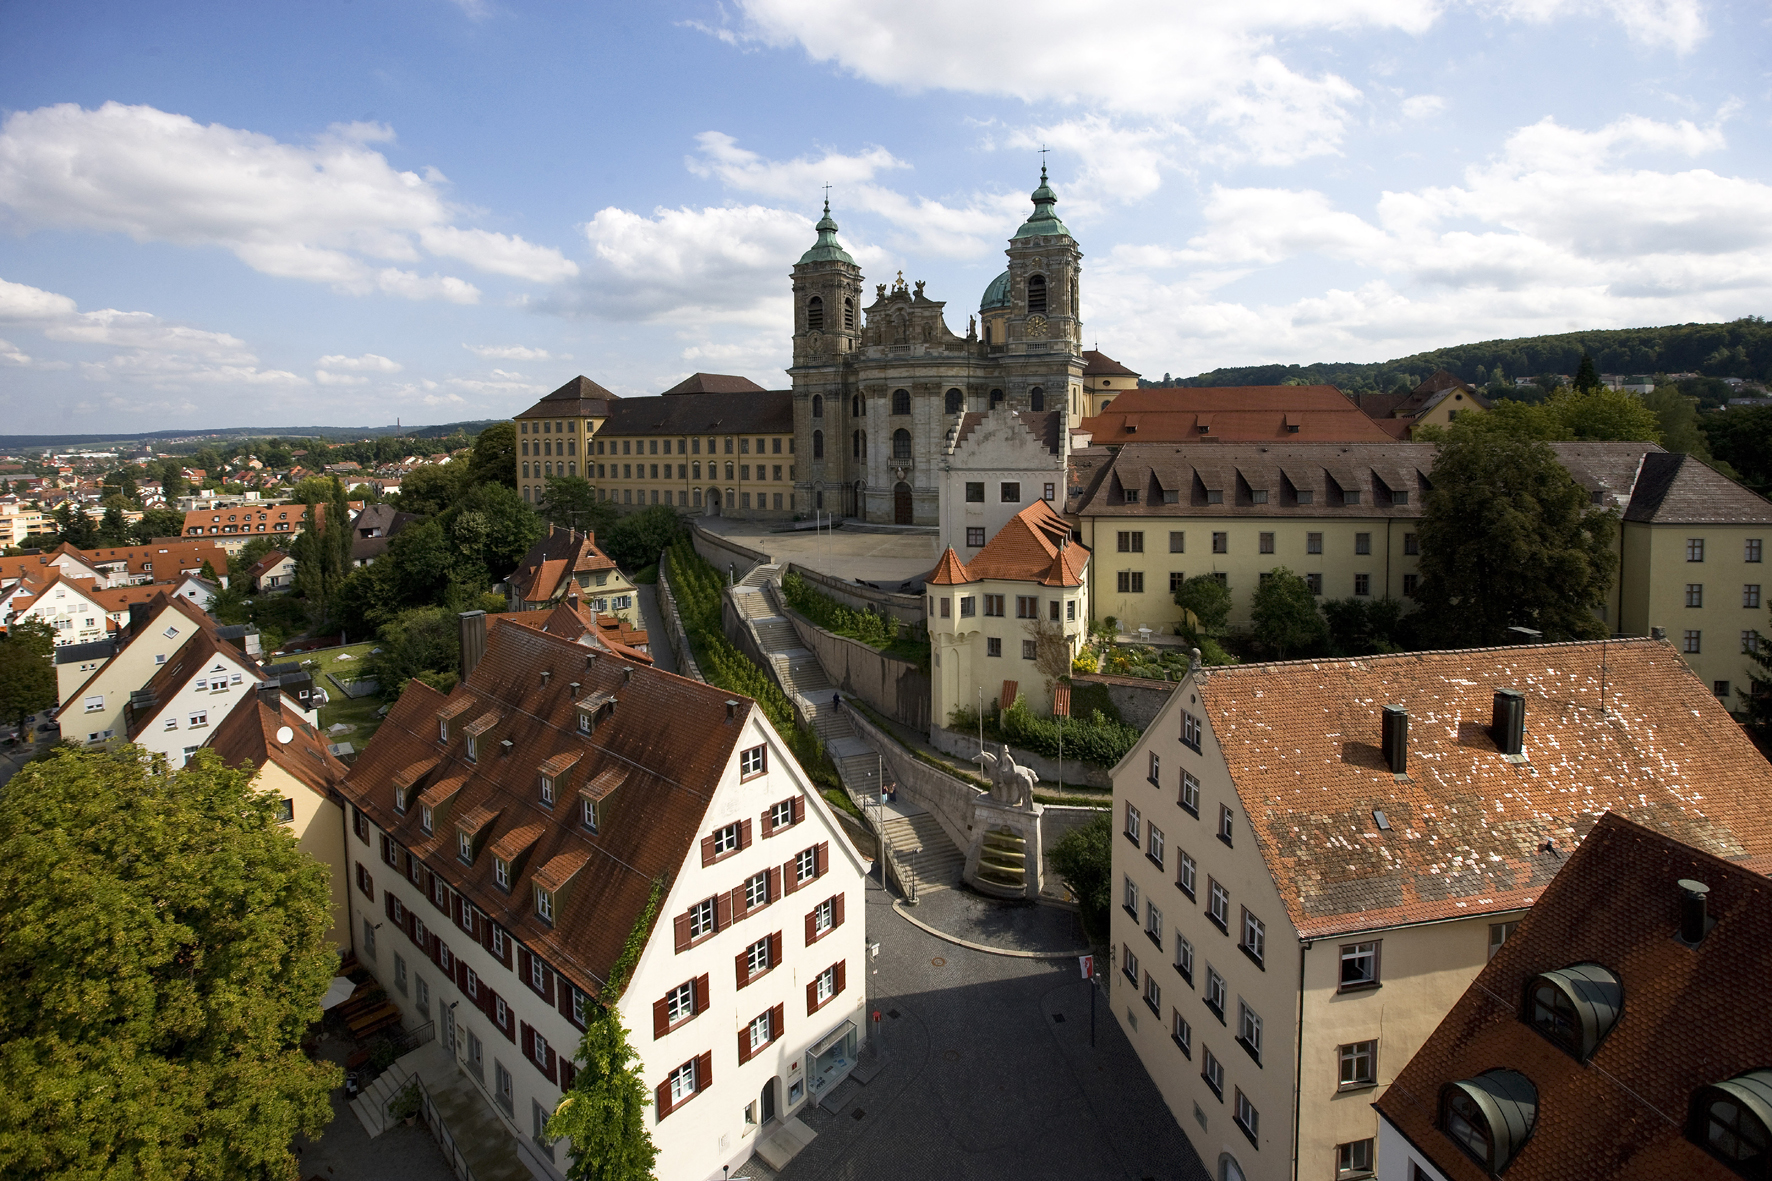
[584,723]
[400,799]
[501,872]
[590,814]
[547,791]
[544,905]
[442,729]
[464,848]
[1575,1007]
[473,749]
[1491,1116]
[1732,1121]
[425,817]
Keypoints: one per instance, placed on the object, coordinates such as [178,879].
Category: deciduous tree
[1285,614]
[27,670]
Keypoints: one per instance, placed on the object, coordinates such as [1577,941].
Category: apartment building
[728,451]
[232,528]
[92,709]
[559,427]
[71,607]
[507,838]
[1621,1034]
[1315,859]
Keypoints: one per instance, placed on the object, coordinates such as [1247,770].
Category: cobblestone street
[989,1076]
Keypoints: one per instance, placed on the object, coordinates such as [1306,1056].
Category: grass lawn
[352,711]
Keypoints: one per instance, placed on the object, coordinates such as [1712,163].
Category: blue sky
[355,210]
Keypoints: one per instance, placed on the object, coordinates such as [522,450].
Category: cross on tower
[827,197]
[1043,150]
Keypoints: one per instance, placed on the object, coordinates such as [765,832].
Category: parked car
[47,727]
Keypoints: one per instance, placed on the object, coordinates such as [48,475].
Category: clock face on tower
[1036,326]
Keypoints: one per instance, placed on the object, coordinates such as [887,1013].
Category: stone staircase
[479,1144]
[941,862]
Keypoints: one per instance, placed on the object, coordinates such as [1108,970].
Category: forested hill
[1740,348]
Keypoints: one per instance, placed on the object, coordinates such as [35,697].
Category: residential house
[1315,859]
[232,528]
[574,619]
[1620,1035]
[70,606]
[272,573]
[983,653]
[1436,401]
[372,529]
[75,664]
[93,712]
[566,562]
[198,590]
[175,712]
[565,421]
[996,463]
[509,838]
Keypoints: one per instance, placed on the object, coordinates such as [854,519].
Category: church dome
[827,248]
[1043,220]
[997,294]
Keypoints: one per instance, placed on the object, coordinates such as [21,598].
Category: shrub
[1094,739]
[1084,857]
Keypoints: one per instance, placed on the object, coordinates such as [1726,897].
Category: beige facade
[318,823]
[751,474]
[92,712]
[548,445]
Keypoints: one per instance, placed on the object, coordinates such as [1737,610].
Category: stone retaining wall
[894,687]
[907,608]
[725,555]
[948,799]
[675,636]
[1137,698]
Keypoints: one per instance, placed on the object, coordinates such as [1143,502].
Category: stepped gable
[579,398]
[714,383]
[1467,828]
[671,737]
[1680,489]
[1691,1016]
[1044,425]
[248,735]
[1033,546]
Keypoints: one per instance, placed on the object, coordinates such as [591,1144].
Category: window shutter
[811,927]
[774,948]
[744,1045]
[789,881]
[736,900]
[707,850]
[523,964]
[661,1017]
[774,883]
[701,993]
[682,925]
[704,1072]
[744,833]
[823,861]
[662,1097]
[387,904]
[799,809]
[837,912]
[768,823]
[811,998]
[722,912]
[568,1075]
[548,987]
[840,966]
[553,1065]
[461,974]
[528,1040]
[742,967]
[776,1016]
[562,996]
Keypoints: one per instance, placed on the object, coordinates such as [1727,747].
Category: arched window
[849,313]
[817,406]
[526,493]
[1730,1120]
[818,444]
[901,401]
[1036,399]
[996,398]
[864,444]
[815,314]
[698,495]
[525,446]
[855,444]
[1490,1116]
[572,448]
[1037,293]
[572,469]
[956,401]
[526,471]
[548,469]
[901,444]
[1575,1007]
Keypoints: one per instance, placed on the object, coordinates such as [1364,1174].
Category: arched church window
[815,314]
[1037,399]
[572,469]
[864,444]
[849,313]
[901,444]
[855,444]
[817,406]
[901,401]
[855,405]
[818,444]
[1036,293]
[956,400]
[996,398]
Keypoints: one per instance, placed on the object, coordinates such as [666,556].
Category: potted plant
[406,1104]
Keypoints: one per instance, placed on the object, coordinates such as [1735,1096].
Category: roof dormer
[1574,1007]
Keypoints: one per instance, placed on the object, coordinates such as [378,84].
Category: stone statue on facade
[1011,783]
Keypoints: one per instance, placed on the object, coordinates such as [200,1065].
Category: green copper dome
[827,248]
[997,294]
[1042,220]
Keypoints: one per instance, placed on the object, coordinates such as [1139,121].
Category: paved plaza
[843,553]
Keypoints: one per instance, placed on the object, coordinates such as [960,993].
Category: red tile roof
[1468,828]
[249,735]
[950,571]
[1034,546]
[1691,1016]
[1321,413]
[1099,364]
[538,577]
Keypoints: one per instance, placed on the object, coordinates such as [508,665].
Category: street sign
[1087,964]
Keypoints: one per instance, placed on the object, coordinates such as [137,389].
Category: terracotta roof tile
[483,723]
[517,841]
[714,383]
[579,398]
[560,763]
[1033,546]
[560,868]
[1099,364]
[538,577]
[600,787]
[249,736]
[407,776]
[443,789]
[950,571]
[1205,414]
[1468,828]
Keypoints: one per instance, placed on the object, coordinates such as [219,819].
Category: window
[1182,1032]
[464,847]
[400,973]
[1729,1130]
[781,815]
[369,938]
[201,717]
[1153,923]
[1249,1029]
[1177,543]
[1221,543]
[825,987]
[968,606]
[761,1030]
[1362,543]
[1184,959]
[1353,1160]
[1029,650]
[1129,962]
[1129,895]
[1131,582]
[1050,492]
[974,537]
[1750,594]
[1190,731]
[901,444]
[1750,550]
[1695,549]
[817,446]
[95,704]
[680,1003]
[1153,994]
[1411,544]
[817,406]
[823,917]
[756,958]
[1129,542]
[1265,543]
[1498,934]
[1254,937]
[1411,582]
[815,314]
[1212,1070]
[473,750]
[590,814]
[1187,874]
[751,762]
[993,606]
[1036,293]
[1694,641]
[1259,496]
[501,872]
[975,492]
[726,840]
[1215,992]
[1248,1119]
[993,646]
[1154,845]
[502,1085]
[682,1082]
[1190,793]
[1694,594]
[806,865]
[1009,492]
[539,1115]
[544,905]
[701,919]
[1218,904]
[1359,965]
[901,401]
[1362,584]
[955,401]
[1027,607]
[1134,832]
[1719,688]
[1224,823]
[1176,578]
[1359,1065]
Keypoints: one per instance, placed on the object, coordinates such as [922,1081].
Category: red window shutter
[812,998]
[744,1045]
[553,1065]
[768,823]
[722,912]
[736,898]
[707,850]
[661,1017]
[701,993]
[663,1098]
[523,964]
[568,1075]
[744,833]
[742,967]
[840,966]
[528,1040]
[774,883]
[823,858]
[837,912]
[811,927]
[774,948]
[563,997]
[704,1072]
[776,1016]
[799,809]
[789,880]
[547,981]
[682,925]
[461,974]
[387,904]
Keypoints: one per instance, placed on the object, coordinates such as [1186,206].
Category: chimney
[1694,921]
[1507,723]
[138,618]
[731,710]
[1658,633]
[1396,738]
[473,640]
[271,694]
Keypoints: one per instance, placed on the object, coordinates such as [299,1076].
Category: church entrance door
[901,504]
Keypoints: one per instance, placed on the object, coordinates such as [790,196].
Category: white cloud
[367,363]
[12,354]
[514,352]
[1675,24]
[333,212]
[1423,106]
[326,377]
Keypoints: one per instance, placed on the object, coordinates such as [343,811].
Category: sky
[347,212]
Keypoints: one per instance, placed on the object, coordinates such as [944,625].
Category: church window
[817,406]
[849,313]
[901,401]
[818,444]
[864,444]
[955,401]
[855,444]
[901,444]
[815,314]
[1037,293]
[855,405]
[996,398]
[1036,399]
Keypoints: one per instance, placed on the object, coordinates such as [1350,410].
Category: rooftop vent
[1507,722]
[1695,920]
[545,674]
[507,746]
[1396,738]
[731,710]
[627,674]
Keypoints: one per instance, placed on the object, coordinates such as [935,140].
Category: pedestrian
[837,701]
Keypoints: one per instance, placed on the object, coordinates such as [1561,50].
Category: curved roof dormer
[1732,1120]
[1575,1007]
[1490,1116]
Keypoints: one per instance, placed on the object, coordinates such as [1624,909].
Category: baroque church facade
[878,389]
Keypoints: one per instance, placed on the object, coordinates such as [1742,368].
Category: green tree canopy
[492,528]
[156,523]
[1508,538]
[1741,436]
[1676,415]
[429,490]
[1596,412]
[637,539]
[1084,856]
[422,640]
[1587,378]
[163,949]
[27,670]
[494,460]
[1286,616]
[1207,603]
[571,503]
